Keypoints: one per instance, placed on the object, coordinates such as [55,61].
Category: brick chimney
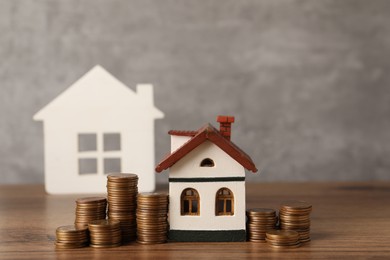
[225,125]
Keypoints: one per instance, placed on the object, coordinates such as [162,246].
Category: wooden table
[348,220]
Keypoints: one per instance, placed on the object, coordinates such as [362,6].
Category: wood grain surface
[348,220]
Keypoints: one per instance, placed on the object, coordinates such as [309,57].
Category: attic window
[207,163]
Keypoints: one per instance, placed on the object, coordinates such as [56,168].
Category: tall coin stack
[89,209]
[71,237]
[260,220]
[105,233]
[152,220]
[295,215]
[122,192]
[283,238]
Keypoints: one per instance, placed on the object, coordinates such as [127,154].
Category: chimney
[225,125]
[145,92]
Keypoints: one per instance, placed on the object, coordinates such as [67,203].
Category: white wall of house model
[206,184]
[189,167]
[97,126]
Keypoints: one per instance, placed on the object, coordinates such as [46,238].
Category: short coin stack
[295,215]
[260,220]
[283,238]
[105,233]
[122,192]
[152,222]
[89,209]
[71,237]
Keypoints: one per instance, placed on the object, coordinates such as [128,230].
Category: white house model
[206,184]
[97,126]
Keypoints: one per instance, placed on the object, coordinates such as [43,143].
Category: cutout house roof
[98,88]
[207,132]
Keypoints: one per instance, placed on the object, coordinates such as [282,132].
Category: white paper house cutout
[98,125]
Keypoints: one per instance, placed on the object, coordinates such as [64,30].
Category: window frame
[100,154]
[221,196]
[194,197]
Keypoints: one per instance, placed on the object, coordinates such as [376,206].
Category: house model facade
[206,184]
[97,126]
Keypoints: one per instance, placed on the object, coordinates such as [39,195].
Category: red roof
[207,132]
[182,133]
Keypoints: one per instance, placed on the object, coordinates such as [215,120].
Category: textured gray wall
[308,81]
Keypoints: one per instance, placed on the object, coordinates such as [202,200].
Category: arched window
[190,202]
[207,163]
[224,202]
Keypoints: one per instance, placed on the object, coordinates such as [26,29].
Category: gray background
[308,81]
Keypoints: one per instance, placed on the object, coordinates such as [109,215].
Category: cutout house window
[99,153]
[87,142]
[207,163]
[112,165]
[190,202]
[87,166]
[224,202]
[112,142]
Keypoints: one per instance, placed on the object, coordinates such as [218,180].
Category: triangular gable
[208,132]
[95,88]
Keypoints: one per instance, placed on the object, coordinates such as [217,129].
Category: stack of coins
[122,192]
[295,215]
[260,220]
[283,238]
[89,209]
[105,233]
[71,237]
[152,221]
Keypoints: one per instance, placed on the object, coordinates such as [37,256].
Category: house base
[207,235]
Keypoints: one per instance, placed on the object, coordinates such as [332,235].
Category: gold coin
[261,219]
[121,177]
[151,242]
[296,204]
[104,222]
[282,242]
[153,195]
[72,240]
[293,218]
[105,246]
[261,211]
[152,231]
[60,245]
[75,235]
[70,229]
[297,224]
[150,213]
[257,240]
[127,183]
[106,240]
[284,247]
[89,200]
[151,236]
[65,234]
[279,234]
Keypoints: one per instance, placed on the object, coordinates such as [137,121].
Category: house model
[206,184]
[98,125]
